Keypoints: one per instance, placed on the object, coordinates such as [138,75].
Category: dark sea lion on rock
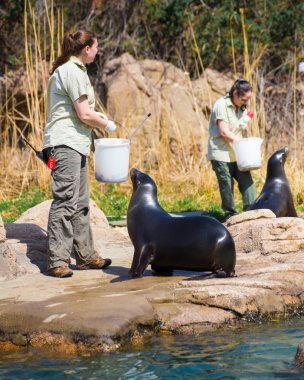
[197,243]
[276,194]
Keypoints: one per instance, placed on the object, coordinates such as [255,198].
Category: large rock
[179,107]
[260,230]
[267,286]
[39,214]
[210,87]
[23,244]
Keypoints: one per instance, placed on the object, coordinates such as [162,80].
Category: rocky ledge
[101,310]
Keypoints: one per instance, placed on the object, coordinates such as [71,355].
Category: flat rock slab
[98,310]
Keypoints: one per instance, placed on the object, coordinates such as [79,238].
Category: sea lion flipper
[220,273]
[144,258]
[291,210]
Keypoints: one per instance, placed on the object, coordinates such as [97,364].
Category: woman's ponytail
[72,44]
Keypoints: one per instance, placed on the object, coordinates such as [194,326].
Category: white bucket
[301,67]
[111,159]
[248,153]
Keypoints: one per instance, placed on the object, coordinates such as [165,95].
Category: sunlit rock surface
[179,106]
[98,310]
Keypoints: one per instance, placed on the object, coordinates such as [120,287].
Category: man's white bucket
[248,153]
[111,159]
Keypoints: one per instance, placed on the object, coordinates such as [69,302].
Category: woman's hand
[111,126]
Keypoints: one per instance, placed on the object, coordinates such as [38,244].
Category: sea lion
[276,194]
[197,243]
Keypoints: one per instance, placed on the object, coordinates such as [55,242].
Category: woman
[226,126]
[67,140]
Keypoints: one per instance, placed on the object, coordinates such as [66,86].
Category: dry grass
[184,171]
[22,168]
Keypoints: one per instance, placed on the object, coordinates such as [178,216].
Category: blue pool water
[255,352]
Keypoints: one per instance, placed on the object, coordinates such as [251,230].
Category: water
[257,352]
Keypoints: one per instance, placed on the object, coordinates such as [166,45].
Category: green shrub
[12,209]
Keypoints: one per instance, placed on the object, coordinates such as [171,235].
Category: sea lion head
[142,182]
[276,162]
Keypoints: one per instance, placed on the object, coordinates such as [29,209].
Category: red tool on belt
[49,161]
[52,160]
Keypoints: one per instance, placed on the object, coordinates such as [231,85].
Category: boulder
[260,230]
[211,86]
[23,244]
[179,116]
[39,214]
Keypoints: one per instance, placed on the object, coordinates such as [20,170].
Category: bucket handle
[138,128]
